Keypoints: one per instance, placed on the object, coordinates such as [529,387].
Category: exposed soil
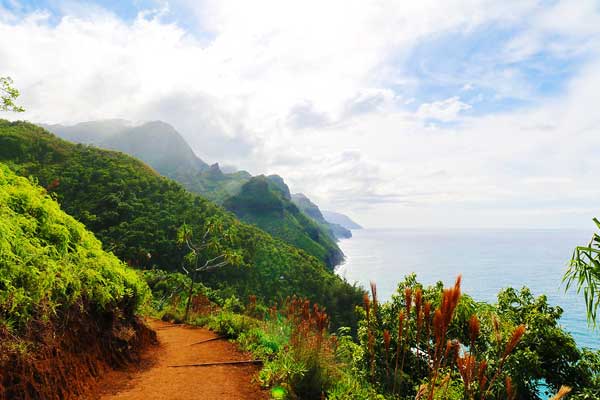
[154,378]
[63,360]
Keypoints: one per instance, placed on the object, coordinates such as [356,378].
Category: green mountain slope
[160,146]
[59,291]
[265,202]
[313,211]
[212,183]
[156,143]
[136,213]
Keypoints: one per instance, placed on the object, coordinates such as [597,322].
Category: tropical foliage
[8,95]
[50,262]
[584,274]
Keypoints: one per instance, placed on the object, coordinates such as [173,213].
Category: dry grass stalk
[562,392]
[399,345]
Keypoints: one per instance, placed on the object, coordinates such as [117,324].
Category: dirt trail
[155,379]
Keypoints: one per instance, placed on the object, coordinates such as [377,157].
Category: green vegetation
[8,95]
[49,262]
[156,143]
[426,343]
[312,210]
[212,183]
[267,204]
[584,274]
[136,214]
[64,302]
[163,148]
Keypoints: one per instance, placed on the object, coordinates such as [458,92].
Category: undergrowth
[49,261]
[59,293]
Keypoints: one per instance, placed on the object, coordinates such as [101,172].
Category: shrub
[49,261]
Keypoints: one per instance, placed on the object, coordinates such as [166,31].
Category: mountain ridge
[313,211]
[163,148]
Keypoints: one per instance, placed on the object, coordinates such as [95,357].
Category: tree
[8,95]
[209,248]
[584,274]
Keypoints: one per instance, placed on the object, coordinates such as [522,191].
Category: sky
[401,114]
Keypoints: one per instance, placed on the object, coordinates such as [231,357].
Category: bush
[231,325]
[49,261]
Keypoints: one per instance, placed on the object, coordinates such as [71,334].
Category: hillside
[59,293]
[265,202]
[213,183]
[136,213]
[159,145]
[156,143]
[313,211]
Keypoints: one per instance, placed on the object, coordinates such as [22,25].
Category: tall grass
[415,337]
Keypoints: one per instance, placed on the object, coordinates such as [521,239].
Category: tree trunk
[189,299]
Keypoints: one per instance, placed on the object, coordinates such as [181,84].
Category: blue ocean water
[489,260]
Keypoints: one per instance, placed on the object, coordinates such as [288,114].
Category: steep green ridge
[136,213]
[156,143]
[162,147]
[46,256]
[212,183]
[265,202]
[312,210]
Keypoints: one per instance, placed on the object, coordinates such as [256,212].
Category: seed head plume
[418,311]
[474,329]
[374,296]
[496,327]
[418,300]
[367,304]
[386,339]
[448,348]
[408,300]
[399,344]
[481,375]
[562,392]
[511,393]
[386,344]
[514,340]
[441,321]
[510,346]
[466,368]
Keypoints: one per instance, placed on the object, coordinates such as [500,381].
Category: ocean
[489,260]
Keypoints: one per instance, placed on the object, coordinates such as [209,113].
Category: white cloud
[445,110]
[318,92]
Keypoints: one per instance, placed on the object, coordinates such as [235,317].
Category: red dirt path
[154,379]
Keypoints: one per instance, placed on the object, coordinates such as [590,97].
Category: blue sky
[462,113]
[128,11]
